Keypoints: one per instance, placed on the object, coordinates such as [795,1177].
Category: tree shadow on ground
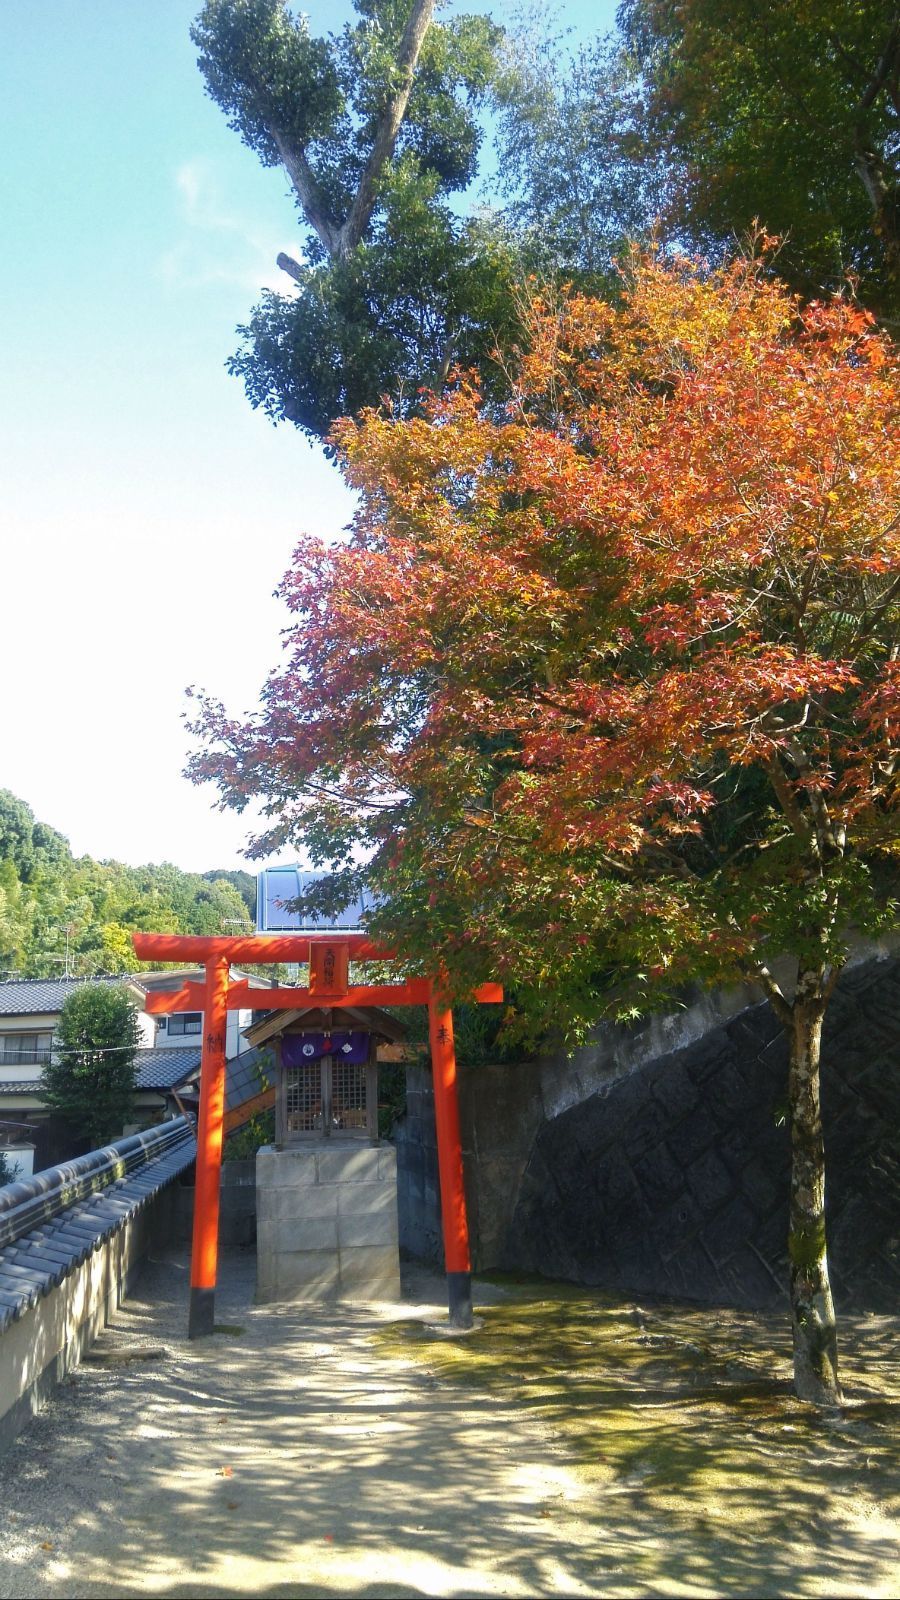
[569,1445]
[685,1423]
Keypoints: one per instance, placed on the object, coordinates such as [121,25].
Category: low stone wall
[49,1339]
[237,1207]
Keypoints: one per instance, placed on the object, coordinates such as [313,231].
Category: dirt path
[347,1453]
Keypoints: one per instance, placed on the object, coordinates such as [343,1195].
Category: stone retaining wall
[674,1180]
[656,1160]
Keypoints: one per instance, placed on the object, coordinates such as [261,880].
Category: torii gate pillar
[454,1220]
[210,1123]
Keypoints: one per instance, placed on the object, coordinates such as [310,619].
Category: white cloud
[220,246]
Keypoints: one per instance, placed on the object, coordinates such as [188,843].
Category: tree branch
[774,993]
[830,982]
[290,266]
[339,239]
[868,163]
[821,816]
[886,67]
[417,25]
[446,360]
[865,629]
[308,193]
[788,802]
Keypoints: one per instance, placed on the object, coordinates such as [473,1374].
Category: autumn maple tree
[603,685]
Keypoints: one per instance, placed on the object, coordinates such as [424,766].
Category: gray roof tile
[38,1259]
[154,1069]
[165,1069]
[45,995]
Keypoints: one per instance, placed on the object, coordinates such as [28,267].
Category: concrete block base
[326,1222]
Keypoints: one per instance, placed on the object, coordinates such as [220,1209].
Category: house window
[25,1049]
[182,1022]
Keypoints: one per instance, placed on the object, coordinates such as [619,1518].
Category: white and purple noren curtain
[297,1049]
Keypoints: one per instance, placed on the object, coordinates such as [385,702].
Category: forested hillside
[50,899]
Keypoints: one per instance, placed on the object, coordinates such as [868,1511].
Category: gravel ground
[283,1456]
[358,1452]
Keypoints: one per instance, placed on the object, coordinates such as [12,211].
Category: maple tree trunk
[812,1307]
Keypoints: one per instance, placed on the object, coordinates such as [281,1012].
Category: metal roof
[245,1077]
[279,885]
[44,996]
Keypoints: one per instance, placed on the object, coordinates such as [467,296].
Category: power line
[112,1049]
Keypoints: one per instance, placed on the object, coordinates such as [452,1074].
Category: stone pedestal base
[326,1222]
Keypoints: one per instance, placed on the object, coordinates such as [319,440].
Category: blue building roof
[278,886]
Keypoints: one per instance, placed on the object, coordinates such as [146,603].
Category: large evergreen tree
[787,111]
[377,129]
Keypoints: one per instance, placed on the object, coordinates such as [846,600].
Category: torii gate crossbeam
[328,956]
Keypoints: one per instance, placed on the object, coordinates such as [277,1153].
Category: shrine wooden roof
[325,1019]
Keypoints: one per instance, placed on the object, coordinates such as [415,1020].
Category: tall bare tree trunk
[812,1307]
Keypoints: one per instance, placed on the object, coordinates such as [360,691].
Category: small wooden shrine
[326,1071]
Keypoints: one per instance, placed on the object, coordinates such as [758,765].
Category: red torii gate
[329,957]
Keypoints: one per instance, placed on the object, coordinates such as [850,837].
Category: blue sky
[146,511]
